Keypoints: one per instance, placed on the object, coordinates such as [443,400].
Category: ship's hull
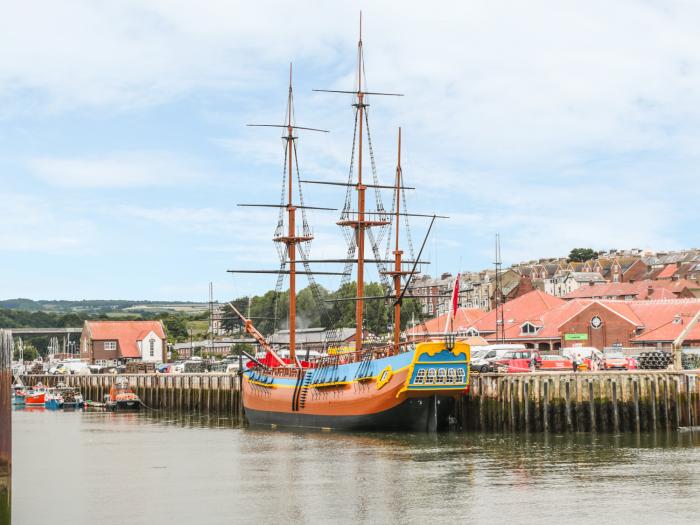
[371,396]
[412,415]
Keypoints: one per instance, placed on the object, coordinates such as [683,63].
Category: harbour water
[152,467]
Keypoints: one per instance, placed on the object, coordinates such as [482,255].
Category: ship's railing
[377,352]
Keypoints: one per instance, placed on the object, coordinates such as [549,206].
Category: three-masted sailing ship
[398,385]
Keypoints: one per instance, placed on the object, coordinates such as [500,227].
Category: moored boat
[122,397]
[36,396]
[400,385]
[19,395]
[53,399]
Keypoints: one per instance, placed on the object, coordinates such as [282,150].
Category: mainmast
[360,226]
[291,240]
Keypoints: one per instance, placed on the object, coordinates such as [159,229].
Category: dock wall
[557,402]
[213,394]
[581,402]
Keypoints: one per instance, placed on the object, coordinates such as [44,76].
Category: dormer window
[473,332]
[529,329]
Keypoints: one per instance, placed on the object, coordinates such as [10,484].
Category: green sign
[576,337]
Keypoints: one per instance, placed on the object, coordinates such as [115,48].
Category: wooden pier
[212,394]
[635,401]
[582,402]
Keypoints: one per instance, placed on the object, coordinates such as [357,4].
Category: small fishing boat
[53,399]
[122,397]
[36,396]
[19,395]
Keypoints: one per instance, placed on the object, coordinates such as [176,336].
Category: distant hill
[101,306]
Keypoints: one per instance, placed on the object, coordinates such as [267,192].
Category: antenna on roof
[498,294]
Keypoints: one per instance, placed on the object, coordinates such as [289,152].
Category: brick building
[120,341]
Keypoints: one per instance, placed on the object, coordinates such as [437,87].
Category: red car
[556,362]
[519,361]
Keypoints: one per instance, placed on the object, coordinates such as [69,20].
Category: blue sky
[124,151]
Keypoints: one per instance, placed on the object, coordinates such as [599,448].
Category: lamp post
[191,344]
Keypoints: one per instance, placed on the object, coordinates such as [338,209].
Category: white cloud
[32,224]
[135,169]
[556,123]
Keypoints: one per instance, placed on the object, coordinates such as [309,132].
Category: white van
[482,357]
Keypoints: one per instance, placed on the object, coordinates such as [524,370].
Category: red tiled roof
[528,307]
[464,318]
[126,332]
[638,289]
[668,271]
[657,318]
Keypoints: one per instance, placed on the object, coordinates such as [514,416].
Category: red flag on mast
[455,297]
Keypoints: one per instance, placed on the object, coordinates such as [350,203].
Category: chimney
[650,290]
[591,283]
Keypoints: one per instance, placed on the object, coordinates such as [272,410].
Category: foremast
[291,240]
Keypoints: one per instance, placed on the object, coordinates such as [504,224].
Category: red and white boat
[36,396]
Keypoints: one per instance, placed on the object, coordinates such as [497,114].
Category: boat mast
[291,240]
[397,253]
[360,227]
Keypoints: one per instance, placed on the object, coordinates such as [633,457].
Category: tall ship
[393,385]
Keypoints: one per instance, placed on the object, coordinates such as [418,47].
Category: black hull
[413,415]
[125,406]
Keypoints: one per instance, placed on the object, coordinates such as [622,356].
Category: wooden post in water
[6,348]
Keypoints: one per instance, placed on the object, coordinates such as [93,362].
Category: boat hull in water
[384,393]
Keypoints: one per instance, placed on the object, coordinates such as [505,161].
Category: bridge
[45,331]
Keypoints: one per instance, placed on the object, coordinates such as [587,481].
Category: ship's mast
[397,252]
[291,239]
[360,227]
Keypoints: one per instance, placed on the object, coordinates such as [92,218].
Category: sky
[124,150]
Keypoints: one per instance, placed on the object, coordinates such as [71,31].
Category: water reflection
[196,469]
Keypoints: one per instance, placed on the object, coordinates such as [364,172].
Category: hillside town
[614,274]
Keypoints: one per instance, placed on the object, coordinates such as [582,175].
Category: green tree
[176,327]
[582,254]
[30,352]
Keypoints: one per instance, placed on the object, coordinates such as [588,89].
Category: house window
[110,345]
[152,347]
[528,328]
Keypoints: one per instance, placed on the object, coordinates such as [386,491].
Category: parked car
[555,362]
[519,361]
[615,361]
[483,357]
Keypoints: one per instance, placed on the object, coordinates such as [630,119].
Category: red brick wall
[614,329]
